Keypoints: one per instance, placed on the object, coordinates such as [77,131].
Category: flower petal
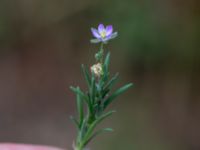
[110,37]
[95,41]
[101,28]
[95,33]
[114,35]
[109,30]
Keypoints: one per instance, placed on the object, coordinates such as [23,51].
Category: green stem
[81,142]
[78,148]
[102,52]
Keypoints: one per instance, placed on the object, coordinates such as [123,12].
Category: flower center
[103,34]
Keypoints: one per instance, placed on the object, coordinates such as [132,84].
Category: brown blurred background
[43,43]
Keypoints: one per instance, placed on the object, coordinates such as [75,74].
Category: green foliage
[86,75]
[91,104]
[110,99]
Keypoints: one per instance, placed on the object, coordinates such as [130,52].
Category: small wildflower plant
[92,104]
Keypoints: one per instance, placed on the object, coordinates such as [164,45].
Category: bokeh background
[43,43]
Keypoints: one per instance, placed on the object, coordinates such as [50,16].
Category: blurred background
[43,43]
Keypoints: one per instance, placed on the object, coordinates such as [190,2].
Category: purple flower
[103,34]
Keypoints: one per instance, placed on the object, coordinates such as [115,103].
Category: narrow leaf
[84,97]
[110,84]
[82,130]
[107,61]
[116,93]
[105,69]
[80,107]
[75,90]
[86,75]
[93,89]
[94,124]
[97,133]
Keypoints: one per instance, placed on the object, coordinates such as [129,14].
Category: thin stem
[79,148]
[102,52]
[81,143]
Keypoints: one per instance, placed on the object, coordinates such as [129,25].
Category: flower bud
[97,69]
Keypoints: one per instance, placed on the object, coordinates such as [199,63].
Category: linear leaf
[85,98]
[97,133]
[86,75]
[105,68]
[80,107]
[112,81]
[104,93]
[94,124]
[109,85]
[116,93]
[75,90]
[82,130]
[107,61]
[93,89]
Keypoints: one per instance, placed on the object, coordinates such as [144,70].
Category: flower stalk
[102,52]
[92,104]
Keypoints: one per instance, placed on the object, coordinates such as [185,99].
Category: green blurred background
[43,43]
